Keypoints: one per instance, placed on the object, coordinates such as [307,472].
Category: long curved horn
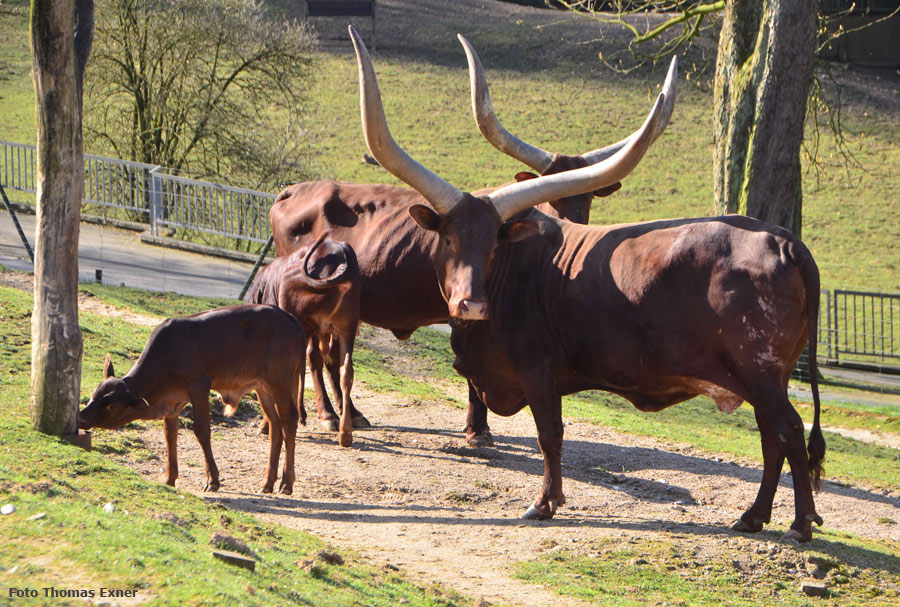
[669,91]
[516,197]
[442,195]
[488,124]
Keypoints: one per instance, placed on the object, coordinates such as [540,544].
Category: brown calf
[230,350]
[319,284]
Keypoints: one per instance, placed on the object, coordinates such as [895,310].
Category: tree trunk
[55,335]
[763,77]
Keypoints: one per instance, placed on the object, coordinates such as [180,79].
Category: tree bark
[55,335]
[763,74]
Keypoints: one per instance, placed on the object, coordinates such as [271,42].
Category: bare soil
[411,495]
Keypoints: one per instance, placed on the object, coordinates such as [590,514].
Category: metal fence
[863,327]
[143,193]
[854,327]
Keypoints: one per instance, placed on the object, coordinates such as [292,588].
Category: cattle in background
[230,350]
[656,312]
[319,284]
[400,291]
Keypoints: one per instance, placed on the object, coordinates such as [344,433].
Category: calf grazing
[319,284]
[230,350]
[657,312]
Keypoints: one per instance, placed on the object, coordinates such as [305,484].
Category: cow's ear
[514,231]
[525,176]
[426,217]
[610,189]
[108,370]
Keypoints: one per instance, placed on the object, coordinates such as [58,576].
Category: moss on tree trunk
[763,75]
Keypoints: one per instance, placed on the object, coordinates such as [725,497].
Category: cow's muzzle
[469,309]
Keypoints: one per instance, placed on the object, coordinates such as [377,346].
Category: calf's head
[470,228]
[112,404]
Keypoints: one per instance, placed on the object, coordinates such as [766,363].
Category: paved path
[124,259]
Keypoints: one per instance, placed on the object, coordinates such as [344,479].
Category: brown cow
[230,350]
[656,312]
[319,285]
[400,289]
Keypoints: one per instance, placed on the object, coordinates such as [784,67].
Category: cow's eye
[447,241]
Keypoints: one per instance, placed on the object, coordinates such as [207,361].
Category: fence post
[156,202]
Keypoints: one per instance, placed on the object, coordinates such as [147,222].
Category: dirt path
[411,495]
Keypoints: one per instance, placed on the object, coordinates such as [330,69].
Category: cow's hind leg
[781,426]
[288,401]
[760,512]
[478,434]
[267,402]
[199,395]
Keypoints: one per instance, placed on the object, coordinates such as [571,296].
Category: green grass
[713,571]
[157,539]
[150,303]
[554,93]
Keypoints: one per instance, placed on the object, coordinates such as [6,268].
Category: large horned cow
[657,312]
[400,290]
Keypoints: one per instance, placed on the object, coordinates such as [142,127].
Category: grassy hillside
[549,88]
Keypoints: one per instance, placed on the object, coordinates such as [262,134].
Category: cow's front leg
[546,408]
[171,426]
[345,344]
[199,394]
[328,419]
[337,368]
[478,434]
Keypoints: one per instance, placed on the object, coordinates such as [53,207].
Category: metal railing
[211,208]
[141,192]
[854,326]
[864,327]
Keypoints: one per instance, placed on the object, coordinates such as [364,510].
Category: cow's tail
[229,410]
[816,445]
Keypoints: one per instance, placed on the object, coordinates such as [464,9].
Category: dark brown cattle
[319,284]
[400,290]
[657,312]
[230,350]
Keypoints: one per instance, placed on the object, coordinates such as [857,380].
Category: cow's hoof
[480,440]
[745,526]
[815,518]
[266,489]
[286,489]
[345,439]
[533,514]
[536,514]
[211,487]
[264,428]
[793,535]
[361,422]
[329,425]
